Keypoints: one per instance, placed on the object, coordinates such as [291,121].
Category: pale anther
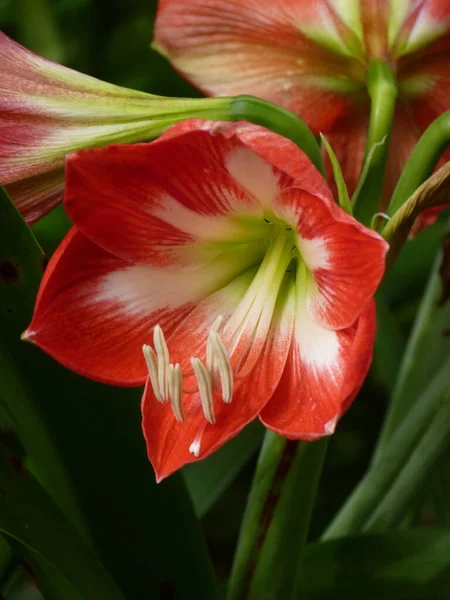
[152,366]
[162,353]
[176,391]
[205,389]
[223,363]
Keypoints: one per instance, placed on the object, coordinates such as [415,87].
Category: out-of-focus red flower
[311,57]
[214,265]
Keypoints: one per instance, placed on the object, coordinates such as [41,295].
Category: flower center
[225,363]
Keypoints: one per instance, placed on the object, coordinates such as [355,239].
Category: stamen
[194,448]
[205,389]
[175,378]
[152,366]
[209,351]
[163,361]
[224,366]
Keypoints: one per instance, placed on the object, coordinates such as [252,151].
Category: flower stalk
[275,459]
[382,88]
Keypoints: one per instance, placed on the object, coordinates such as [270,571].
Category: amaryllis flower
[47,111]
[213,264]
[311,56]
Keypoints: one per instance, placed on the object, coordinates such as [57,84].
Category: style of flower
[213,264]
[311,56]
[47,111]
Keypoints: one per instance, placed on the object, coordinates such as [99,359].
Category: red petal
[168,441]
[322,376]
[345,259]
[153,202]
[94,311]
[258,48]
[164,202]
[38,195]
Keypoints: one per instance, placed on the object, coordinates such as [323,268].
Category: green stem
[362,504]
[288,530]
[402,396]
[382,88]
[274,461]
[279,120]
[422,161]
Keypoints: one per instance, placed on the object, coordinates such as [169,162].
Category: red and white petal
[38,195]
[324,372]
[344,259]
[276,50]
[171,444]
[162,203]
[173,199]
[94,310]
[276,151]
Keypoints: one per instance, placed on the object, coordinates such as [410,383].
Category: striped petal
[324,371]
[344,261]
[177,201]
[171,444]
[95,311]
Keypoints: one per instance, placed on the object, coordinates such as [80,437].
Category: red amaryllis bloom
[311,57]
[213,264]
[47,111]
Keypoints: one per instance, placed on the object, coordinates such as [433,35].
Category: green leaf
[427,349]
[410,565]
[344,199]
[146,534]
[393,480]
[208,479]
[389,343]
[29,516]
[21,266]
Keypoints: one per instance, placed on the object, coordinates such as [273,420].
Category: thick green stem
[279,120]
[422,161]
[363,503]
[382,88]
[275,458]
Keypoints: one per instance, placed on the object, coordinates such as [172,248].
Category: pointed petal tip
[28,336]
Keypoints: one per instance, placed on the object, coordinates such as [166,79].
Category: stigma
[212,373]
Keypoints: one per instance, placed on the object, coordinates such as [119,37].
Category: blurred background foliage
[110,39]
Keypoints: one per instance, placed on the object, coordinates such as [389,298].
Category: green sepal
[343,197]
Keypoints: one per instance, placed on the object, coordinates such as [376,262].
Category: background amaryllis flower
[218,254]
[47,111]
[311,57]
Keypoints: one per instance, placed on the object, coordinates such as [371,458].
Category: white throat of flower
[215,372]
